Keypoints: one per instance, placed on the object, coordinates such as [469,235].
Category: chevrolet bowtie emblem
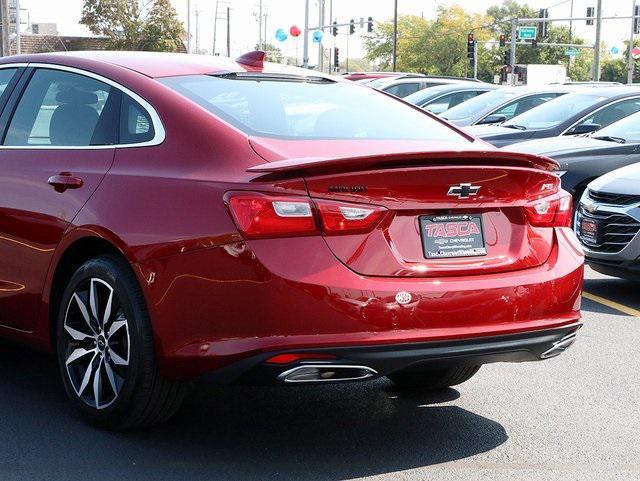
[463,191]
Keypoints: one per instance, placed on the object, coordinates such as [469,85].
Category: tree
[273,53]
[135,24]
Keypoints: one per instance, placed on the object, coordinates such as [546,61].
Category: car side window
[447,101]
[523,104]
[6,74]
[136,125]
[60,108]
[612,113]
[403,89]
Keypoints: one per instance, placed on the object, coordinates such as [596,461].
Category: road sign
[527,33]
[571,52]
[635,53]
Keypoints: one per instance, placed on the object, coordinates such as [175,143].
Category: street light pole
[629,54]
[188,26]
[596,53]
[395,35]
[305,40]
[18,39]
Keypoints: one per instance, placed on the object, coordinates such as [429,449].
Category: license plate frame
[591,235]
[452,236]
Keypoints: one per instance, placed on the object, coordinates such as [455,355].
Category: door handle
[64,181]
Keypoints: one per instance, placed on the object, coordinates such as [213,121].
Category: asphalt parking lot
[575,417]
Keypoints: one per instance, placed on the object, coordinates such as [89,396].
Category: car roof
[160,64]
[442,80]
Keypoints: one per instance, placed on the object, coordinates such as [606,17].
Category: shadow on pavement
[237,432]
[618,290]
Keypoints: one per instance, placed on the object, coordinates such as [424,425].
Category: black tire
[434,379]
[124,388]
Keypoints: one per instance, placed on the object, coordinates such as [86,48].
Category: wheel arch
[77,247]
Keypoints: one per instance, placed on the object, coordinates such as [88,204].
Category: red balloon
[295,31]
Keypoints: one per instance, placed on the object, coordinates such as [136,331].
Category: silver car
[608,223]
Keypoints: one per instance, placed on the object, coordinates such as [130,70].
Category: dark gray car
[503,104]
[443,97]
[585,158]
[608,223]
[581,112]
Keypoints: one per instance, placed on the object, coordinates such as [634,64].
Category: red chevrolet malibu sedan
[166,218]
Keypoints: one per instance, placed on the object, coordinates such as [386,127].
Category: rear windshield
[302,109]
[480,104]
[554,112]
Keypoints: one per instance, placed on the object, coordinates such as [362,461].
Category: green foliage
[439,46]
[273,53]
[135,25]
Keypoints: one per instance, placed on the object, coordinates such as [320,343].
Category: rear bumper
[218,306]
[386,359]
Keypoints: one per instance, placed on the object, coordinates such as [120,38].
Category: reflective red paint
[216,296]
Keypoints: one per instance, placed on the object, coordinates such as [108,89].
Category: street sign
[635,53]
[571,52]
[527,33]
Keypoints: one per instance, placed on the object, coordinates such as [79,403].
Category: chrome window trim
[598,110]
[158,127]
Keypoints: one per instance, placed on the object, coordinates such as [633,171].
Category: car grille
[617,231]
[613,199]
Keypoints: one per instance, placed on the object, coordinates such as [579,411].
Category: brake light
[552,211]
[341,218]
[259,215]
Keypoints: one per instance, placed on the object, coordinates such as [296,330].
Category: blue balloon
[317,36]
[614,50]
[281,35]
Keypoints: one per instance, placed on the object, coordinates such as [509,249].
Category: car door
[58,136]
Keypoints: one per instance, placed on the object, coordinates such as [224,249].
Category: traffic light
[534,42]
[334,29]
[636,20]
[542,31]
[590,13]
[336,58]
[352,27]
[507,57]
[502,40]
[471,46]
[370,24]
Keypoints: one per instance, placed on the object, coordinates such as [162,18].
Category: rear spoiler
[332,165]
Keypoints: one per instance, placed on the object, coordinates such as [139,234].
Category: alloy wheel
[97,343]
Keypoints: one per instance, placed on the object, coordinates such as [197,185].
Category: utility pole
[215,24]
[596,53]
[305,40]
[4,18]
[571,22]
[197,31]
[475,61]
[320,66]
[228,31]
[188,26]
[260,46]
[395,35]
[18,39]
[334,39]
[512,53]
[629,54]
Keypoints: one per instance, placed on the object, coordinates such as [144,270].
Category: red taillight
[259,215]
[341,218]
[552,211]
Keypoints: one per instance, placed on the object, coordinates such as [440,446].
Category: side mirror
[584,129]
[493,119]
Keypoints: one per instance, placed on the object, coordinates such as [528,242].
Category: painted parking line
[612,304]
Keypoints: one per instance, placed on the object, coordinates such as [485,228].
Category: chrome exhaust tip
[326,373]
[559,346]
